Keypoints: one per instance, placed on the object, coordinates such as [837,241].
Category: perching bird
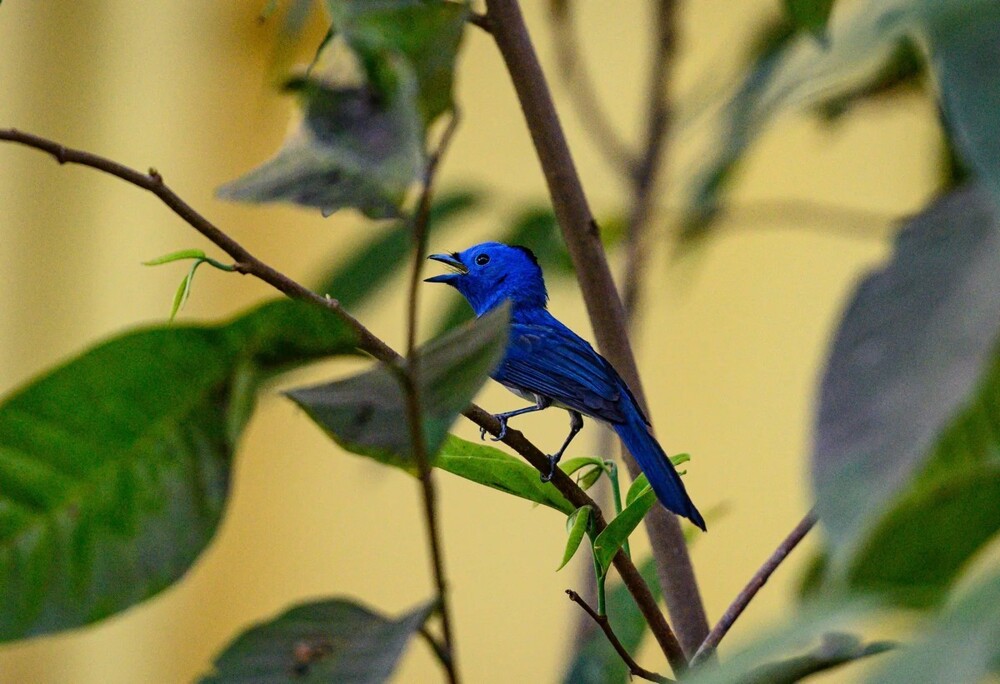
[549,364]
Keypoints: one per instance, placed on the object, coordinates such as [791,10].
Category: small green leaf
[335,640]
[571,465]
[489,466]
[114,467]
[366,414]
[576,525]
[590,478]
[638,486]
[176,256]
[616,534]
[181,295]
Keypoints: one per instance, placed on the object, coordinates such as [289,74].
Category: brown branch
[755,584]
[604,307]
[413,402]
[582,95]
[371,344]
[602,621]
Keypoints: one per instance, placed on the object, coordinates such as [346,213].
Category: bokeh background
[730,342]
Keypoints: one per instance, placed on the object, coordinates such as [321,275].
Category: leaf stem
[414,414]
[602,621]
[247,264]
[755,584]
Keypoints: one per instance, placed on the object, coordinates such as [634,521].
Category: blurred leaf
[810,15]
[962,38]
[596,661]
[834,649]
[903,71]
[335,640]
[576,526]
[494,468]
[366,414]
[610,540]
[802,635]
[868,51]
[912,346]
[949,513]
[353,148]
[367,269]
[114,467]
[426,33]
[962,646]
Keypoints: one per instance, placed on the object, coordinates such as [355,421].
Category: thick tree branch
[755,584]
[602,621]
[604,307]
[414,402]
[370,343]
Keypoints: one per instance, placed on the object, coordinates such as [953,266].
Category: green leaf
[489,466]
[366,414]
[810,15]
[571,465]
[590,478]
[335,640]
[493,468]
[962,646]
[427,34]
[176,256]
[576,525]
[353,148]
[913,344]
[368,269]
[114,467]
[596,661]
[611,539]
[639,486]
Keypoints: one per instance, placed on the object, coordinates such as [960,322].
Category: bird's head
[491,273]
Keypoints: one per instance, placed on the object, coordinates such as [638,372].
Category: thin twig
[581,92]
[413,401]
[604,307]
[755,584]
[371,344]
[602,621]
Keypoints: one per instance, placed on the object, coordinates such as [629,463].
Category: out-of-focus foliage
[335,640]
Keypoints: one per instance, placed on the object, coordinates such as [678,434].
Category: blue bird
[550,365]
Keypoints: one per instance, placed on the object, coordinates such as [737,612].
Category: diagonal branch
[604,307]
[755,584]
[248,264]
[602,621]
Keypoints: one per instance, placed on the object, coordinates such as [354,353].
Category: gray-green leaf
[366,414]
[335,640]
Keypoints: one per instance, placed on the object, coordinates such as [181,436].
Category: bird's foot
[503,427]
[553,460]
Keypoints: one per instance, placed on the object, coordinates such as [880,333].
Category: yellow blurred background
[730,344]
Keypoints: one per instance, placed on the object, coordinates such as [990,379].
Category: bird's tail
[659,470]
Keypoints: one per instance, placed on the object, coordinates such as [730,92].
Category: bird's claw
[546,477]
[482,430]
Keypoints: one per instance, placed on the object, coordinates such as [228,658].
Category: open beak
[452,261]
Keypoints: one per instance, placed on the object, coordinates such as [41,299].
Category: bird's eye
[483,259]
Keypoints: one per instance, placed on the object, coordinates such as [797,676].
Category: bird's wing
[556,363]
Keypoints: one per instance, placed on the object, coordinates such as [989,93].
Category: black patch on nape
[531,255]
